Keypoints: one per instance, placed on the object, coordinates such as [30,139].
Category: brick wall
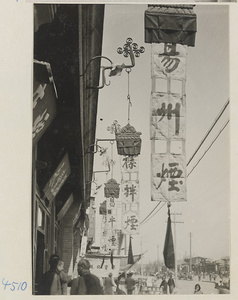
[68,242]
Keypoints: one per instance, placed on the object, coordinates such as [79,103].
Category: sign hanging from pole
[170,29]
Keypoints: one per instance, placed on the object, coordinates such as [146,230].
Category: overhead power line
[214,123]
[148,218]
[209,147]
[151,212]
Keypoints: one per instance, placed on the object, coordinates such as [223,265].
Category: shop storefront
[66,38]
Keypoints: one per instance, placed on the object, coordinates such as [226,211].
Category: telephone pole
[141,264]
[158,256]
[175,245]
[190,262]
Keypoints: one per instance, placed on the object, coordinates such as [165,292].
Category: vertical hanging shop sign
[168,122]
[110,223]
[170,29]
[58,178]
[44,99]
[129,145]
[91,217]
[104,246]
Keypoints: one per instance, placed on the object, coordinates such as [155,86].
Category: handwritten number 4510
[14,285]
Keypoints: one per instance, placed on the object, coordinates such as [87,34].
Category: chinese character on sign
[104,247]
[112,202]
[112,240]
[112,220]
[170,63]
[132,222]
[130,191]
[173,172]
[39,123]
[104,232]
[129,162]
[169,111]
[170,49]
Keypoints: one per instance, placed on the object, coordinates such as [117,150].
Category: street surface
[183,287]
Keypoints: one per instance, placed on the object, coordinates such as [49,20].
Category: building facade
[66,38]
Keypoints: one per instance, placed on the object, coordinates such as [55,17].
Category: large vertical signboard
[128,147]
[168,112]
[170,29]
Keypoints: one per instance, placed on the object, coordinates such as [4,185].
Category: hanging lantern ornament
[128,141]
[111,189]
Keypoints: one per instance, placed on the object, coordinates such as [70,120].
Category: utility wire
[216,120]
[147,220]
[209,147]
[150,212]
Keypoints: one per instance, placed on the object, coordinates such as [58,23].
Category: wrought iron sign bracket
[129,49]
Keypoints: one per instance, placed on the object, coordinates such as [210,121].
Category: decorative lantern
[128,141]
[103,208]
[111,189]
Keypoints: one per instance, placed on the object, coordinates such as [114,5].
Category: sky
[206,213]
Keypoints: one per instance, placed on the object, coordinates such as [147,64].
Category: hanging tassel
[169,255]
[130,254]
[102,261]
[111,259]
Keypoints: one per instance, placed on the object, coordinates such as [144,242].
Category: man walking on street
[130,284]
[164,285]
[171,284]
[109,285]
[86,283]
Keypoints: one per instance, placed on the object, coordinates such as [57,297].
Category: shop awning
[176,24]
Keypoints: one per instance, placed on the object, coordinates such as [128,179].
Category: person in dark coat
[164,285]
[118,290]
[86,283]
[171,284]
[130,284]
[50,283]
[109,284]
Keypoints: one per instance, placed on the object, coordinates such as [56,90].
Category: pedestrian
[64,279]
[130,284]
[219,280]
[171,284]
[118,290]
[164,285]
[197,289]
[50,283]
[201,275]
[109,284]
[86,283]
